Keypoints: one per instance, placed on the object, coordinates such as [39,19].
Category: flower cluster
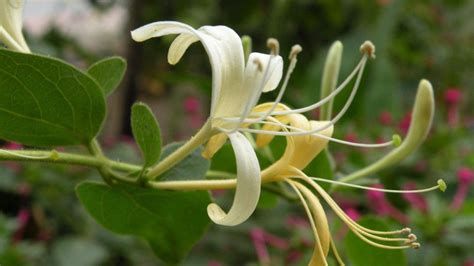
[238,80]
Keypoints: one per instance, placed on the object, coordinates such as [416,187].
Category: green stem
[104,169]
[197,140]
[63,158]
[220,174]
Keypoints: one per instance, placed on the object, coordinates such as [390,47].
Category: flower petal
[247,192]
[255,77]
[214,144]
[322,233]
[225,52]
[11,21]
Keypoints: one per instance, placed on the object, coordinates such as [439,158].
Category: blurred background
[42,223]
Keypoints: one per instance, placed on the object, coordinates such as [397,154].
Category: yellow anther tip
[442,185]
[274,45]
[396,140]
[295,50]
[368,48]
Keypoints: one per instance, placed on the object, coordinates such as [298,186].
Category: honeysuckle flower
[11,25]
[236,88]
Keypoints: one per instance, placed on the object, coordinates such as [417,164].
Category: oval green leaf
[147,134]
[108,73]
[172,222]
[47,102]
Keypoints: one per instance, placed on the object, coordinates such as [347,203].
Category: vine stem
[64,158]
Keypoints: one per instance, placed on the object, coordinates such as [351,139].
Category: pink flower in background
[465,178]
[452,96]
[352,137]
[192,104]
[385,118]
[380,205]
[417,201]
[260,238]
[404,124]
[22,219]
[353,213]
[192,107]
[452,99]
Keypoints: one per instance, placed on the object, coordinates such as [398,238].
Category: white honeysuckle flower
[236,88]
[11,25]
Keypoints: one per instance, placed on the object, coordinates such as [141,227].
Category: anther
[295,50]
[259,64]
[442,185]
[396,140]
[406,230]
[274,46]
[368,48]
[415,245]
[411,239]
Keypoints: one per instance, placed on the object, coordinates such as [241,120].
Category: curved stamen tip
[259,64]
[295,50]
[368,48]
[274,46]
[411,238]
[406,230]
[396,140]
[415,245]
[442,185]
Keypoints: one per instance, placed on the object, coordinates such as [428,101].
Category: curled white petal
[225,52]
[255,78]
[247,191]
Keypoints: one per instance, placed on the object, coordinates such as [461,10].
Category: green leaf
[321,167]
[47,102]
[193,167]
[108,73]
[172,222]
[363,254]
[147,133]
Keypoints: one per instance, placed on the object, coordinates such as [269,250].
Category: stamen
[308,108]
[274,46]
[368,48]
[259,64]
[336,253]
[359,230]
[439,186]
[301,132]
[254,97]
[310,217]
[295,50]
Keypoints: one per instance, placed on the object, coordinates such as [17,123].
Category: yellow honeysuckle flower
[11,25]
